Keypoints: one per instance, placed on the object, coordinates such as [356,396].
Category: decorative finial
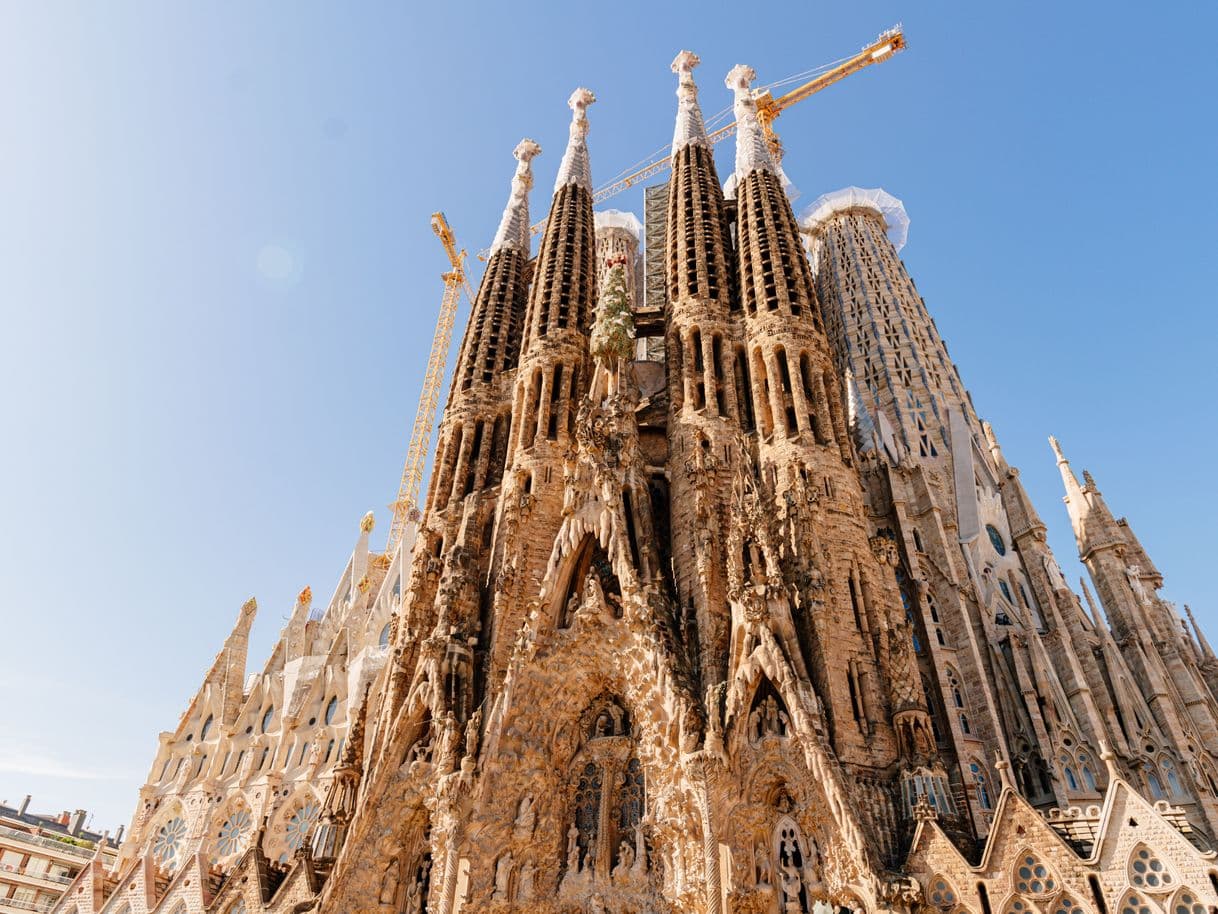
[249,606]
[690,127]
[752,152]
[1108,757]
[514,226]
[305,597]
[368,522]
[1057,449]
[364,583]
[575,168]
[1003,767]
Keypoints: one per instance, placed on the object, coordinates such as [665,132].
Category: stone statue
[572,849]
[524,885]
[1134,575]
[526,818]
[473,728]
[765,872]
[625,859]
[389,882]
[503,877]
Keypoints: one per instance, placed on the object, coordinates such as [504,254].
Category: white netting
[514,224]
[616,218]
[689,127]
[876,199]
[752,153]
[574,168]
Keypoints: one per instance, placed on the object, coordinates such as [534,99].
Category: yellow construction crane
[406,506]
[768,109]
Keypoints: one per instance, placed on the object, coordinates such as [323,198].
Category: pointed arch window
[1187,902]
[1067,905]
[1134,903]
[206,728]
[941,894]
[1148,872]
[1032,877]
[1019,905]
[981,784]
[331,710]
[267,717]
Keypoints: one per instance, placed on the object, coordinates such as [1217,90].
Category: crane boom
[406,506]
[768,108]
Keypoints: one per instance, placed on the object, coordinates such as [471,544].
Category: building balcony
[15,904]
[34,877]
[63,847]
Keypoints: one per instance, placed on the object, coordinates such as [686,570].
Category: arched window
[1068,770]
[331,710]
[1133,903]
[206,728]
[1168,768]
[1153,783]
[1032,877]
[983,790]
[268,717]
[1019,905]
[941,894]
[789,852]
[383,640]
[997,542]
[1147,872]
[1067,905]
[957,692]
[1186,902]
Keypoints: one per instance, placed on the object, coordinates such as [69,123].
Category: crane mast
[768,109]
[406,505]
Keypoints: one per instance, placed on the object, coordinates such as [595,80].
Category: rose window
[1148,872]
[1033,877]
[1187,903]
[301,824]
[232,833]
[169,842]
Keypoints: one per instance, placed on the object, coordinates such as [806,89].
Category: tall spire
[690,127]
[752,153]
[575,168]
[514,226]
[1074,494]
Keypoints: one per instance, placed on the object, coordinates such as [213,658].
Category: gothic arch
[1149,873]
[1186,901]
[1134,902]
[1032,876]
[587,559]
[1067,903]
[941,893]
[292,825]
[1018,904]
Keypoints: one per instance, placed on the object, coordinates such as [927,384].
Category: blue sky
[218,283]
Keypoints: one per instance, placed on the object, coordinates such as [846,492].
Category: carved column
[697,768]
[448,890]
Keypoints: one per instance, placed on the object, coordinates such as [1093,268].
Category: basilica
[723,600]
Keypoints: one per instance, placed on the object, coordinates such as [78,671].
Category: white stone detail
[514,226]
[752,153]
[616,218]
[575,168]
[690,127]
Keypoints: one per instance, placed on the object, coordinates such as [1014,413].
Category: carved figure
[573,849]
[503,877]
[625,859]
[526,818]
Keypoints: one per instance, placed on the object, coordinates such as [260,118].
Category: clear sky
[218,283]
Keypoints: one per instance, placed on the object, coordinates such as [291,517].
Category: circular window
[232,832]
[996,539]
[168,842]
[301,823]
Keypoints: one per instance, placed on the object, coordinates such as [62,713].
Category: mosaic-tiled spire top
[690,127]
[752,153]
[514,226]
[575,168]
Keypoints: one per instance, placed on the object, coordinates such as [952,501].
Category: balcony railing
[16,904]
[51,843]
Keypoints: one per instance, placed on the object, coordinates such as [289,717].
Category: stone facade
[748,614]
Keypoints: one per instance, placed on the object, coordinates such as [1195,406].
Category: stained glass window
[588,808]
[1135,904]
[1188,903]
[1067,905]
[996,539]
[941,894]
